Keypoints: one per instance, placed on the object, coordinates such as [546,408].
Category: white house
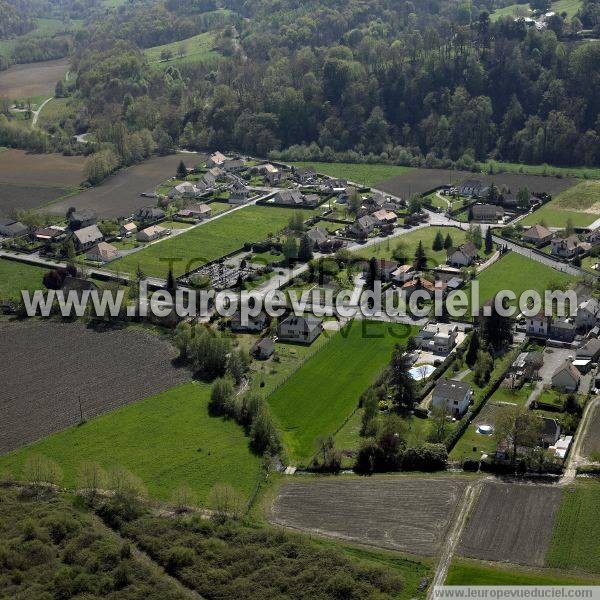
[538,325]
[462,256]
[454,396]
[87,237]
[128,229]
[566,377]
[304,330]
[437,337]
[151,233]
[588,314]
[253,324]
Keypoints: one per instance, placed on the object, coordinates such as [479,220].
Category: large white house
[454,396]
[438,337]
[303,330]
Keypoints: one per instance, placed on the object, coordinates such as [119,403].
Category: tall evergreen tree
[472,350]
[181,170]
[405,394]
[438,242]
[448,242]
[489,242]
[305,252]
[420,261]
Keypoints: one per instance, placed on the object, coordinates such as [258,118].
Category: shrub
[178,558]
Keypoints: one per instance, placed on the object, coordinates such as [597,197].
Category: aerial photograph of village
[299,299]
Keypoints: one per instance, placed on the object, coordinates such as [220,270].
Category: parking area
[426,357]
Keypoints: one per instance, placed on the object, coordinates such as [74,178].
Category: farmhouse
[566,377]
[453,396]
[87,237]
[263,349]
[487,212]
[79,219]
[437,337]
[196,211]
[151,233]
[128,229]
[11,228]
[149,214]
[102,253]
[462,256]
[588,314]
[304,330]
[538,235]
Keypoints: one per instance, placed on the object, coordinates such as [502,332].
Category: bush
[428,457]
[178,558]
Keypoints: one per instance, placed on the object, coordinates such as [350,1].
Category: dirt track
[591,443]
[32,79]
[411,514]
[119,196]
[511,523]
[418,181]
[47,367]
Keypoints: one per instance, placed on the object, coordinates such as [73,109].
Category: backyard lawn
[580,203]
[577,529]
[409,241]
[207,242]
[368,175]
[317,398]
[16,276]
[168,441]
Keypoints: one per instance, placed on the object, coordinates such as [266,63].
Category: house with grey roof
[588,314]
[487,212]
[453,396]
[302,330]
[11,228]
[87,237]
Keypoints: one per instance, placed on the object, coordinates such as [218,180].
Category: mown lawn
[197,48]
[368,175]
[207,242]
[409,242]
[518,274]
[577,529]
[317,398]
[16,276]
[467,572]
[570,204]
[168,441]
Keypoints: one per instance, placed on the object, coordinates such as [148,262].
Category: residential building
[563,330]
[453,396]
[289,198]
[538,235]
[128,229]
[196,211]
[252,324]
[593,237]
[87,237]
[473,187]
[437,337]
[304,175]
[419,283]
[588,314]
[538,325]
[239,193]
[566,377]
[384,267]
[303,330]
[565,247]
[263,349]
[526,367]
[149,214]
[102,253]
[318,236]
[79,219]
[385,217]
[184,190]
[487,212]
[234,164]
[151,233]
[49,234]
[549,432]
[11,228]
[590,350]
[215,160]
[363,226]
[463,256]
[312,200]
[403,274]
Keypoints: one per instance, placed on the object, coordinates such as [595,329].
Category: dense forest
[434,82]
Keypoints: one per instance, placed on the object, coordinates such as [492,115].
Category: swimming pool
[421,372]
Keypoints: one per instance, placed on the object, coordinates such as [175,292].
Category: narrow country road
[36,113]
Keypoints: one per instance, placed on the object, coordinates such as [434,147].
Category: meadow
[545,170]
[559,6]
[316,399]
[409,242]
[207,242]
[580,204]
[167,440]
[365,174]
[16,276]
[45,27]
[194,49]
[577,529]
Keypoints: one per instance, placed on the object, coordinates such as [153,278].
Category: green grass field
[577,529]
[470,572]
[207,242]
[368,175]
[168,440]
[194,49]
[495,166]
[15,276]
[45,27]
[518,273]
[580,203]
[560,6]
[317,398]
[409,241]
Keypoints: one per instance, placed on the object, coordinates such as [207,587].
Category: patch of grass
[207,242]
[168,441]
[518,273]
[17,276]
[55,111]
[409,241]
[470,572]
[195,49]
[569,6]
[577,529]
[45,27]
[367,175]
[315,401]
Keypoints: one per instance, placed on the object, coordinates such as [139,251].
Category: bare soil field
[419,181]
[511,523]
[119,196]
[32,79]
[410,514]
[30,180]
[591,444]
[47,368]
